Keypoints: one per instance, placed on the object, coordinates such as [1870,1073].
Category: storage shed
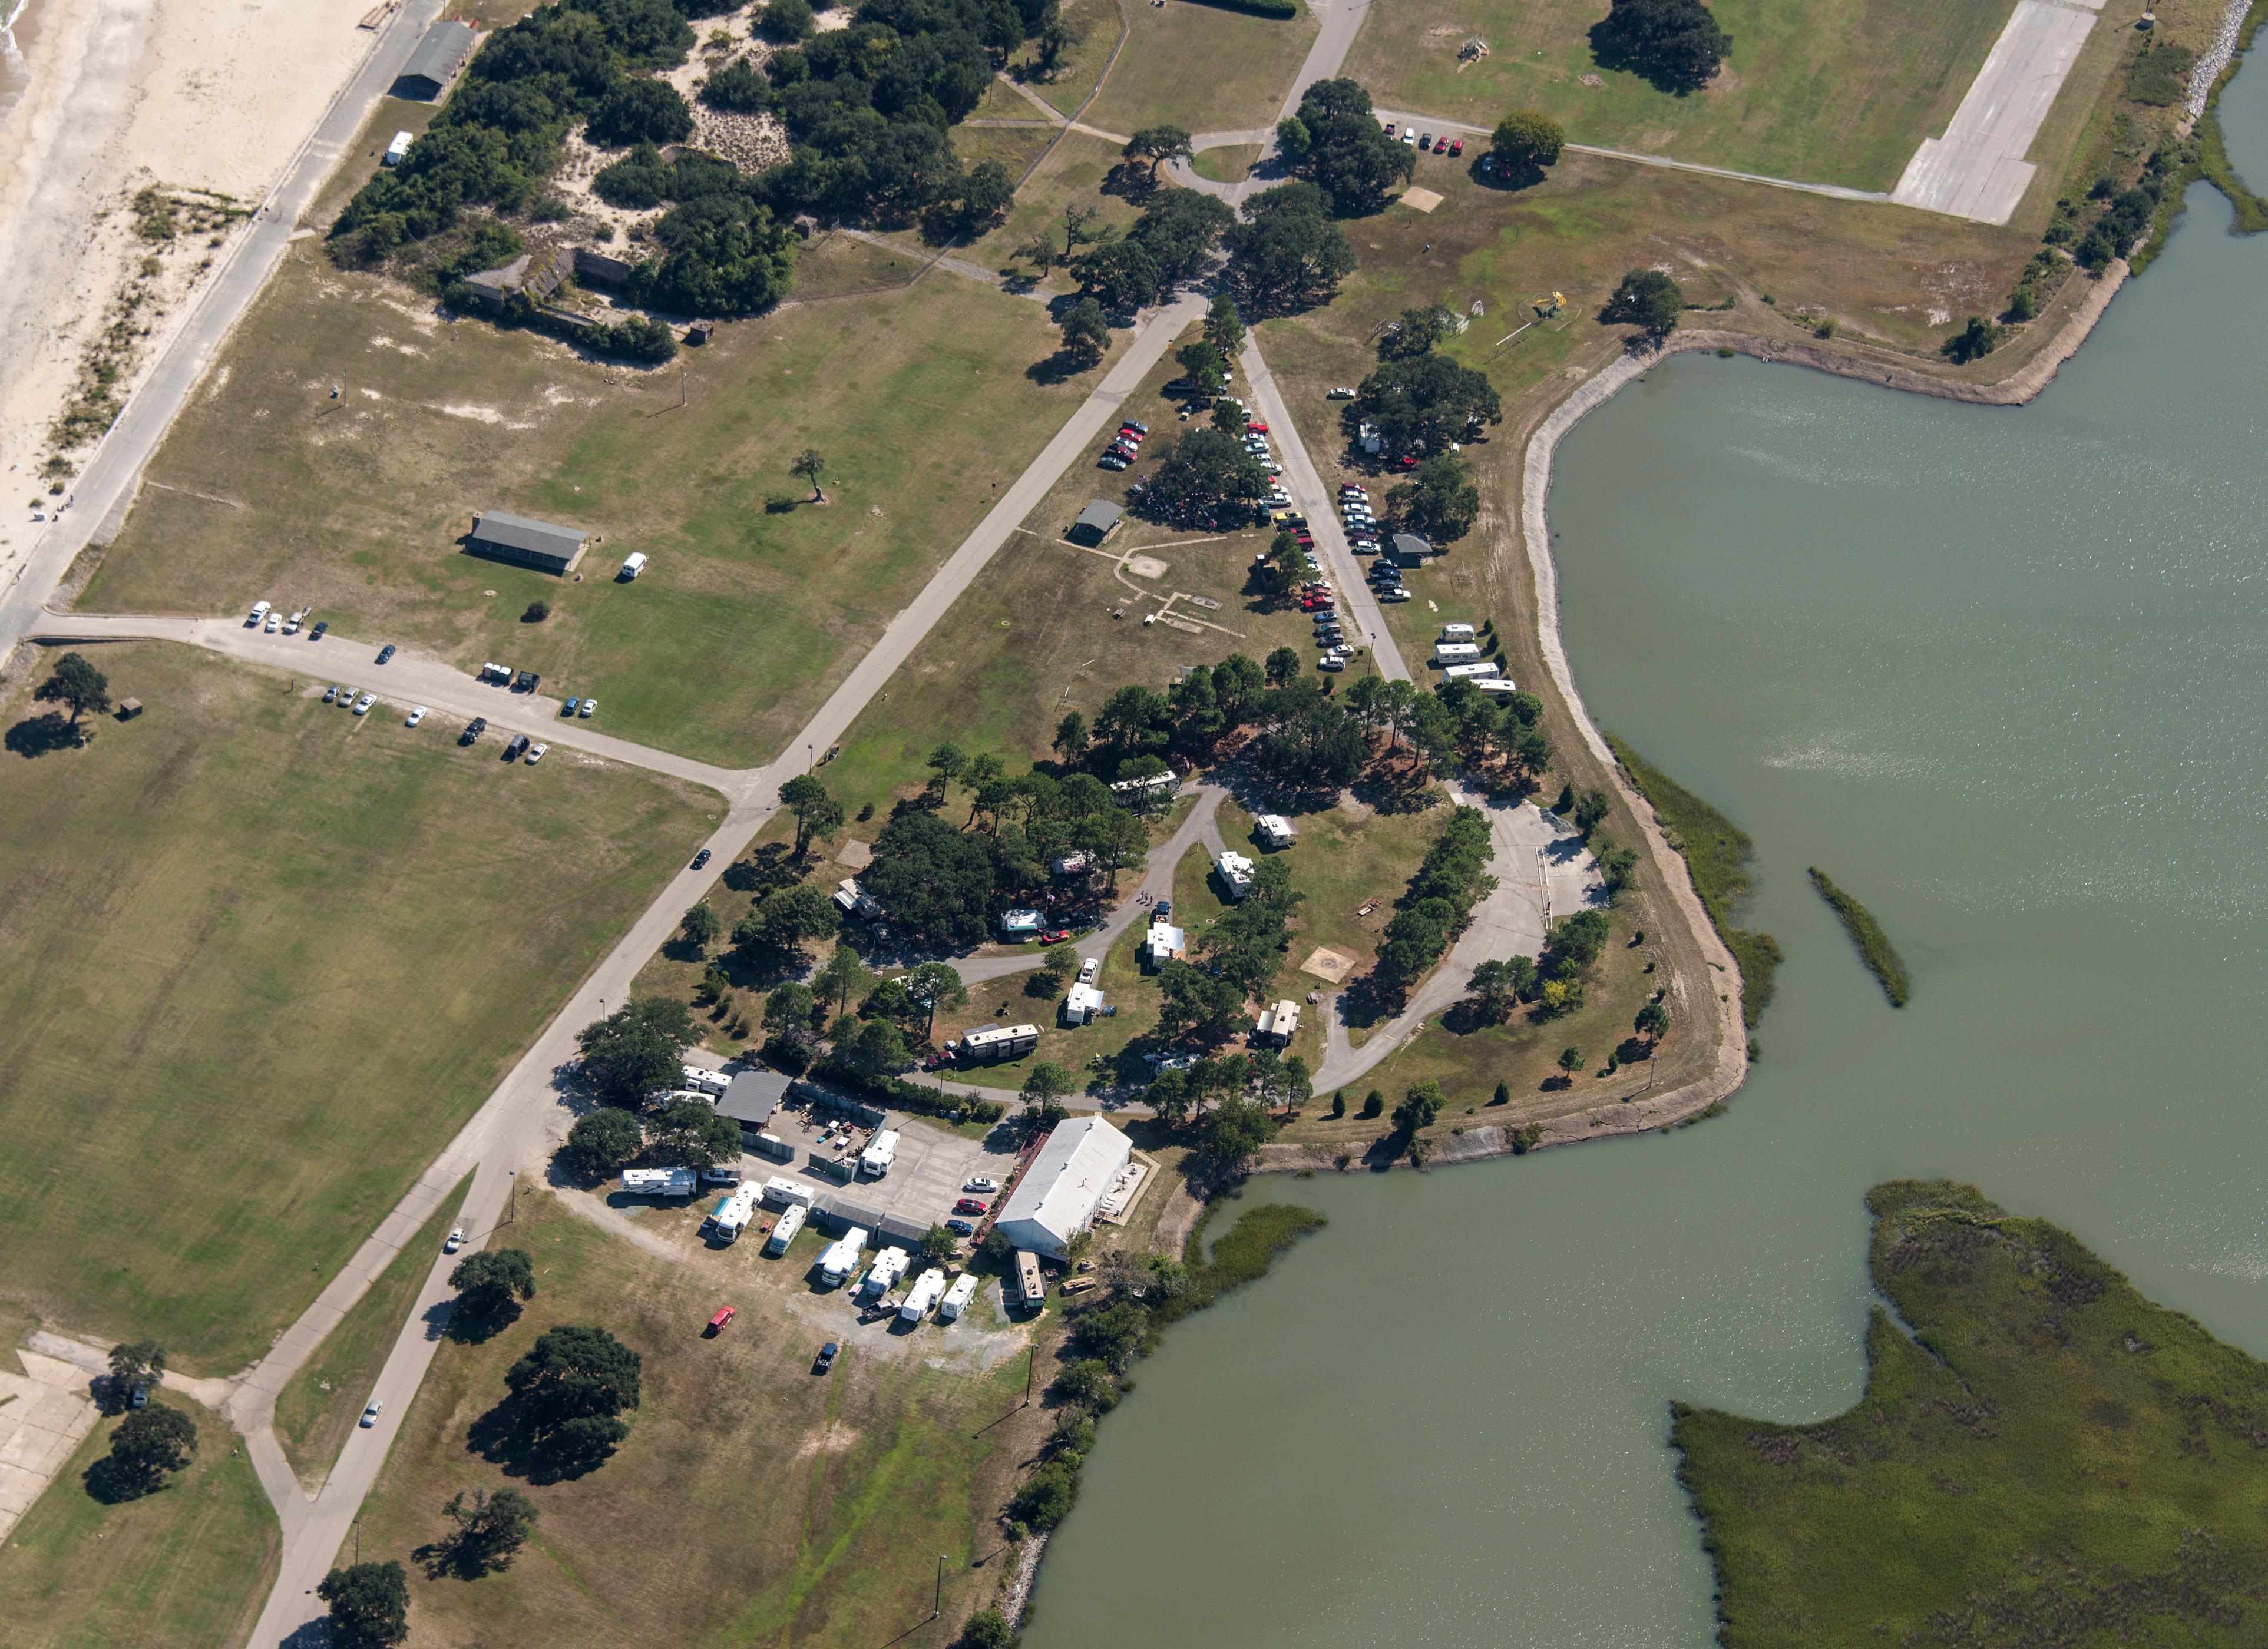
[543,545]
[1410,551]
[435,62]
[1096,522]
[1057,1196]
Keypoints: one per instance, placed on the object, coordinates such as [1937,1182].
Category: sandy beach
[112,97]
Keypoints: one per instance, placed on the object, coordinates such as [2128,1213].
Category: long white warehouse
[1057,1198]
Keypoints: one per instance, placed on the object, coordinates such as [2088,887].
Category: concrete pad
[1978,169]
[1326,963]
[1146,566]
[856,855]
[45,1414]
[1422,200]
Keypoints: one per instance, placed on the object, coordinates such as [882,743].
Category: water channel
[2004,674]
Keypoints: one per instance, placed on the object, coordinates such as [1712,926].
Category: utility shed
[1059,1193]
[1410,551]
[1096,522]
[752,1097]
[436,61]
[543,545]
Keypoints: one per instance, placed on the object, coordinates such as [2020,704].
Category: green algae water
[2003,673]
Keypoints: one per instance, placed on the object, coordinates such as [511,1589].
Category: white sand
[123,94]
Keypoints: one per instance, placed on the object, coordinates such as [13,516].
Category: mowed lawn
[753,1501]
[185,1568]
[266,956]
[1202,68]
[916,398]
[1824,91]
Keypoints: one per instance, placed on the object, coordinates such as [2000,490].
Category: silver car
[362,704]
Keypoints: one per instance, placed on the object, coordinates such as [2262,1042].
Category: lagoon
[2003,674]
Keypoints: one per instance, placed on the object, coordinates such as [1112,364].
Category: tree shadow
[36,736]
[113,1482]
[1132,181]
[456,1557]
[1059,368]
[472,1324]
[1614,52]
[509,1439]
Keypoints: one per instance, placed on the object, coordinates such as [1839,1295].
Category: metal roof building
[1057,1198]
[752,1097]
[436,61]
[1096,522]
[542,545]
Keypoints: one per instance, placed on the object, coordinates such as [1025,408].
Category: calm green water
[2004,674]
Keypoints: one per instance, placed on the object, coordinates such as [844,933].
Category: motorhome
[784,1233]
[661,1182]
[732,1213]
[842,1256]
[926,1293]
[874,1162]
[1030,1286]
[999,1041]
[883,1274]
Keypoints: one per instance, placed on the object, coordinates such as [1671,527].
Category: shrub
[641,111]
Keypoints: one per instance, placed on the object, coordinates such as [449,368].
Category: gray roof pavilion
[532,543]
[752,1097]
[439,55]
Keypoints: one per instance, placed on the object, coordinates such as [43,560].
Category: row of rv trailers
[932,1291]
[1457,656]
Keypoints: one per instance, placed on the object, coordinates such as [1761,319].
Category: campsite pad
[856,855]
[1326,963]
[1423,200]
[1146,566]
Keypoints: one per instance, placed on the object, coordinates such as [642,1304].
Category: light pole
[937,1604]
[357,1534]
[810,759]
[512,1206]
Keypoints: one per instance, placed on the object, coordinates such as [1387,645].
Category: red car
[968,1206]
[1055,936]
[1256,428]
[1456,147]
[717,1324]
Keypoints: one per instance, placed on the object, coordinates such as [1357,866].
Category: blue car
[570,707]
[961,1227]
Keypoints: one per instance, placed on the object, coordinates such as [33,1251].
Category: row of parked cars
[1125,447]
[1451,147]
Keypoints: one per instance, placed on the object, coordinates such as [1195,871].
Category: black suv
[518,748]
[471,735]
[526,683]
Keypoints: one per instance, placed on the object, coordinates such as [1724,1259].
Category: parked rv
[923,1300]
[883,1274]
[842,1256]
[874,1162]
[784,1233]
[957,1297]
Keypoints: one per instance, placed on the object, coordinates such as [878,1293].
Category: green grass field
[1824,91]
[269,956]
[2049,1458]
[185,1568]
[917,399]
[1202,68]
[316,1411]
[753,1502]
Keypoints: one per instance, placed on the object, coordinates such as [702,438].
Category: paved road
[106,485]
[512,1129]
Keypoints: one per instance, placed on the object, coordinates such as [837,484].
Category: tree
[1157,144]
[151,1444]
[1974,342]
[1441,502]
[1224,327]
[789,1010]
[809,465]
[1498,985]
[739,88]
[1675,44]
[939,1245]
[1197,1004]
[1570,1060]
[1591,809]
[1071,737]
[1418,330]
[574,1372]
[1525,143]
[641,111]
[1060,963]
[818,815]
[1079,227]
[1123,277]
[1113,1332]
[701,925]
[537,612]
[1205,364]
[1422,404]
[934,881]
[986,193]
[77,684]
[136,1366]
[635,1051]
[1086,334]
[490,1528]
[840,976]
[488,1282]
[1653,1023]
[1232,1133]
[1088,1384]
[1420,1107]
[789,19]
[1286,255]
[690,1134]
[603,1142]
[1348,155]
[722,255]
[873,1048]
[1284,664]
[1646,299]
[987,1630]
[1200,468]
[368,1601]
[1045,1084]
[933,985]
[786,918]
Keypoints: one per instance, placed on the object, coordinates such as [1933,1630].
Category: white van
[634,564]
[259,612]
[398,151]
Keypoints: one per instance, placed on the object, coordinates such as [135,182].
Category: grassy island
[1874,947]
[1717,853]
[2050,1458]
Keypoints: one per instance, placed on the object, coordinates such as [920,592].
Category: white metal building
[1057,1198]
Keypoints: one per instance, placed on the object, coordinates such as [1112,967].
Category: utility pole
[937,1604]
[1030,1357]
[511,1206]
[357,1534]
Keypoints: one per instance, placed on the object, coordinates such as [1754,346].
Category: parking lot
[924,1181]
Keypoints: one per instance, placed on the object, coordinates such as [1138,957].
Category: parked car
[1425,141]
[330,694]
[1110,460]
[982,1183]
[369,1415]
[719,1323]
[1340,392]
[1398,593]
[456,1239]
[1055,936]
[417,714]
[526,682]
[474,729]
[517,747]
[316,633]
[827,1353]
[1409,136]
[700,858]
[590,706]
[386,652]
[1456,147]
[362,704]
[961,1227]
[1138,427]
[968,1206]
[1389,129]
[535,753]
[568,708]
[274,621]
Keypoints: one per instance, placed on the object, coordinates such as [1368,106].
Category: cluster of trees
[682,1134]
[1645,298]
[138,1367]
[1569,953]
[944,884]
[1287,254]
[1169,243]
[1230,1100]
[1451,879]
[1617,865]
[569,1393]
[1334,141]
[628,1059]
[1200,470]
[1458,723]
[1241,953]
[1439,503]
[1675,44]
[368,1604]
[490,1286]
[1420,403]
[2124,222]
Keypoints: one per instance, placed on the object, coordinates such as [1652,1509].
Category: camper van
[784,1233]
[634,564]
[842,1256]
[785,1192]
